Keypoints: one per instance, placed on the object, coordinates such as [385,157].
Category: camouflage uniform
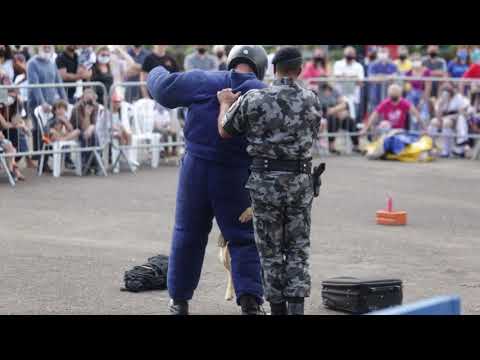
[280,123]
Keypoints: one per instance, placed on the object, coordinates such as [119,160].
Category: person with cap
[280,123]
[212,175]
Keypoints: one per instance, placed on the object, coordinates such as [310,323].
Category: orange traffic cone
[390,217]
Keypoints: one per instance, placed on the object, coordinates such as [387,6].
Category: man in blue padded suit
[212,178]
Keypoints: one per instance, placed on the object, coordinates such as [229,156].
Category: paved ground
[65,243]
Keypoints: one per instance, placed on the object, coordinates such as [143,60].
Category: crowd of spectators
[448,110]
[376,99]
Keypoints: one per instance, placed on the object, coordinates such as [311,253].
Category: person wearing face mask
[393,111]
[349,68]
[380,69]
[70,69]
[42,70]
[101,72]
[458,66]
[219,51]
[437,65]
[417,90]
[403,62]
[159,56]
[314,69]
[200,59]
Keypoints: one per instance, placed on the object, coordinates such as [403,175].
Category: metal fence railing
[18,112]
[153,128]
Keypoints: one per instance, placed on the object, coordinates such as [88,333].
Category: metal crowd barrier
[21,112]
[356,85]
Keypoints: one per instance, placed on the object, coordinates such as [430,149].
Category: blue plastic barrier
[442,305]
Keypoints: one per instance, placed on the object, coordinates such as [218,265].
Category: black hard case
[360,296]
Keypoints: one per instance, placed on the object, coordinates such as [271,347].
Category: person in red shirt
[473,72]
[394,111]
[314,69]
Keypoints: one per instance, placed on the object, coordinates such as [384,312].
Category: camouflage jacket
[280,122]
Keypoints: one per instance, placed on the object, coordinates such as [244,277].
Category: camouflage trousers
[282,235]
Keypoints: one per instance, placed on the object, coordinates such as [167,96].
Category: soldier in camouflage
[280,123]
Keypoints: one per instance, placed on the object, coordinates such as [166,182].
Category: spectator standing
[403,63]
[71,71]
[101,72]
[314,69]
[6,61]
[349,68]
[458,66]
[473,72]
[138,53]
[22,49]
[200,59]
[42,70]
[20,78]
[219,51]
[416,90]
[437,65]
[159,56]
[381,69]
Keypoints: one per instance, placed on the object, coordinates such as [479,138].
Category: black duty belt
[295,166]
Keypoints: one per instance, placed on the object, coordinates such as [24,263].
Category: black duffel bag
[361,296]
[149,276]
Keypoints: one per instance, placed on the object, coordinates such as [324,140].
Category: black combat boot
[278,309]
[178,307]
[296,306]
[249,305]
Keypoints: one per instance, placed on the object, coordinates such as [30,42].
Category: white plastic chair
[144,123]
[58,158]
[127,115]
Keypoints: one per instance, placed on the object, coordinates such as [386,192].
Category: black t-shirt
[105,78]
[153,60]
[71,64]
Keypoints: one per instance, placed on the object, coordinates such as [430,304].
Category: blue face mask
[462,54]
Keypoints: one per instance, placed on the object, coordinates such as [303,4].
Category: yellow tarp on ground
[419,151]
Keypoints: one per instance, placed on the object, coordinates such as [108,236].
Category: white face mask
[382,56]
[417,64]
[45,55]
[103,59]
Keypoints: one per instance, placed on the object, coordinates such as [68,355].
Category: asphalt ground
[65,243]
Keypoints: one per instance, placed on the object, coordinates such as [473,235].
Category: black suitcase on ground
[360,296]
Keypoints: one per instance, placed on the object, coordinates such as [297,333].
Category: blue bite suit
[212,178]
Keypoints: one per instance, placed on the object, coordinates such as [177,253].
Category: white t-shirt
[353,70]
[7,68]
[457,103]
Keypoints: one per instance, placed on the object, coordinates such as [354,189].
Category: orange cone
[390,217]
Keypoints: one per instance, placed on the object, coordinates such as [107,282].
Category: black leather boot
[278,309]
[296,306]
[249,305]
[178,307]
